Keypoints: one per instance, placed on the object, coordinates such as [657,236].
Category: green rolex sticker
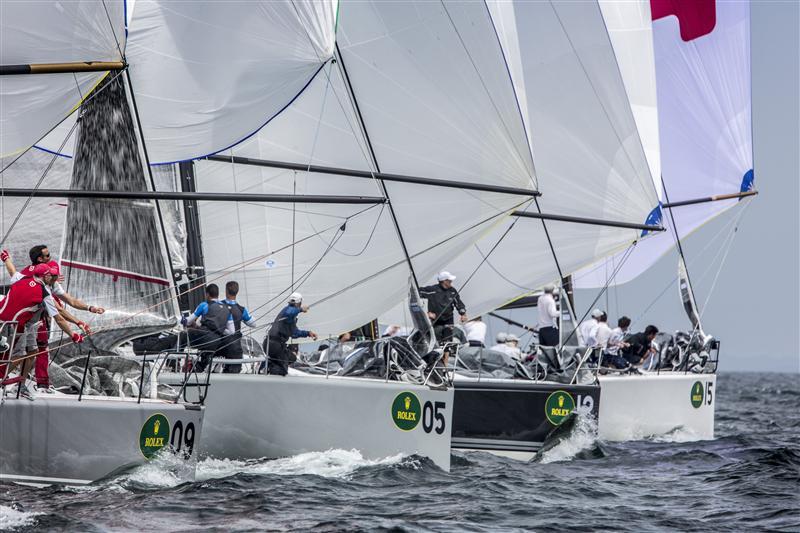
[697,395]
[406,411]
[558,406]
[154,435]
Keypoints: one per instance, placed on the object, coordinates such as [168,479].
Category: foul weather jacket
[441,302]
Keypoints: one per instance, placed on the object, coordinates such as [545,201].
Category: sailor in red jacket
[26,302]
[40,254]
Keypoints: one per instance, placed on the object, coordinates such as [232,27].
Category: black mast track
[193,196]
[195,262]
[590,221]
[375,163]
[372,175]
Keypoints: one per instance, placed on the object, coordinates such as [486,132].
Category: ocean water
[747,479]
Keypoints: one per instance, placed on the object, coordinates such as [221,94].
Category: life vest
[216,318]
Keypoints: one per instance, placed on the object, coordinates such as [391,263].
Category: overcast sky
[754,307]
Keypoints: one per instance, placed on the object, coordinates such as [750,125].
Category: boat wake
[12,518]
[331,464]
[577,439]
[677,435]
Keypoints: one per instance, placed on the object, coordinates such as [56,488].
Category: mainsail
[702,53]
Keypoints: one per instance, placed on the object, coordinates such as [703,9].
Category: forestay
[205,79]
[51,32]
[584,136]
[702,52]
[436,101]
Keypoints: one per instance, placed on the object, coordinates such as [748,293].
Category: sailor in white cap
[587,326]
[283,328]
[548,317]
[501,345]
[512,344]
[442,299]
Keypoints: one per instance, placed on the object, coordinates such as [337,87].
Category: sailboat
[639,123]
[414,107]
[56,58]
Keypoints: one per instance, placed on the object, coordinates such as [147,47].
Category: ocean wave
[12,518]
[580,443]
[330,464]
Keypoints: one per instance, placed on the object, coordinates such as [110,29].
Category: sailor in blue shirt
[284,327]
[206,336]
[231,344]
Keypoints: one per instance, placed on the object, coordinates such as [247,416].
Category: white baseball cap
[295,298]
[512,338]
[597,313]
[445,275]
[501,337]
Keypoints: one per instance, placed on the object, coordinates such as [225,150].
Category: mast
[195,263]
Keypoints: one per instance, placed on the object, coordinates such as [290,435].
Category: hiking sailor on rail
[41,255]
[283,328]
[25,303]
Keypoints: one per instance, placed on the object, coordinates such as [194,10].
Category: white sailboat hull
[58,439]
[251,416]
[636,407]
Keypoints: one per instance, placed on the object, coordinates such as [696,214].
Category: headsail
[113,253]
[702,52]
[586,146]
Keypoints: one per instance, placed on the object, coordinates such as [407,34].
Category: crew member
[231,344]
[26,301]
[476,332]
[213,319]
[640,345]
[442,299]
[585,328]
[40,254]
[500,342]
[548,317]
[512,347]
[283,328]
[601,333]
[616,342]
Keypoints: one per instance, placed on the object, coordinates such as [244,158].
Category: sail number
[433,417]
[183,439]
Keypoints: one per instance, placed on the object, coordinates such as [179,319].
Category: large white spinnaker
[702,53]
[37,32]
[436,102]
[587,151]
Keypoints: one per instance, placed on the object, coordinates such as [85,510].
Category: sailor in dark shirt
[283,328]
[637,346]
[442,299]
